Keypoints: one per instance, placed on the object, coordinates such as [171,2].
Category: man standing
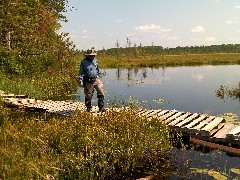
[89,80]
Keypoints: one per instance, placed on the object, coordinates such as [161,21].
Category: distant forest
[159,50]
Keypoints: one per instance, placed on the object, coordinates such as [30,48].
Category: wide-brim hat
[91,52]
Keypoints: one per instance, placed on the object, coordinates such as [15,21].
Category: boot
[101,103]
[88,104]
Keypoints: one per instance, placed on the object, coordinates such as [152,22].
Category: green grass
[47,85]
[170,60]
[40,146]
[44,146]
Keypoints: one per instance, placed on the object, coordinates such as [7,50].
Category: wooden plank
[147,112]
[195,122]
[203,123]
[234,133]
[216,129]
[189,119]
[168,120]
[190,128]
[154,112]
[158,114]
[162,113]
[167,115]
[141,111]
[222,134]
[210,126]
[181,118]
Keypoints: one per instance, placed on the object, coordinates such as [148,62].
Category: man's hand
[81,82]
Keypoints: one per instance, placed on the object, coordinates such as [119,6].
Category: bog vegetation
[36,59]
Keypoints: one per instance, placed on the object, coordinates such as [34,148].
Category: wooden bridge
[200,126]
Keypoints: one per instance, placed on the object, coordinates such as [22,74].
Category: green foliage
[81,147]
[48,85]
[29,42]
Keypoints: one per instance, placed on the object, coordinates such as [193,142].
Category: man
[89,80]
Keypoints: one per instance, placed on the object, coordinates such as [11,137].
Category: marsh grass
[117,145]
[170,60]
[47,85]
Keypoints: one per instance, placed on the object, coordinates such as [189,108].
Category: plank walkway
[210,128]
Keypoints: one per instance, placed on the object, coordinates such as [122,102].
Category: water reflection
[190,89]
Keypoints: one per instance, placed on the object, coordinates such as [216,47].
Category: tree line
[29,38]
[138,51]
[30,41]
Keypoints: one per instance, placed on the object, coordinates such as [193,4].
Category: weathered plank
[188,120]
[196,127]
[234,133]
[142,111]
[181,118]
[158,114]
[190,127]
[222,133]
[153,113]
[147,112]
[210,126]
[170,119]
[167,115]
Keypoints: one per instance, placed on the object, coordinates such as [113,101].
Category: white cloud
[108,33]
[84,31]
[232,22]
[198,29]
[166,37]
[210,39]
[237,7]
[152,28]
[85,37]
[216,1]
[119,20]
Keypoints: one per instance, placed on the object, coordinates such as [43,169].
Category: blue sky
[167,23]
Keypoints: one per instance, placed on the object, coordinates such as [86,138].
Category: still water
[189,89]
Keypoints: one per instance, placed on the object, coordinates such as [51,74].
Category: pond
[189,89]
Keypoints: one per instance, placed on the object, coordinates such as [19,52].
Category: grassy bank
[47,85]
[40,146]
[170,60]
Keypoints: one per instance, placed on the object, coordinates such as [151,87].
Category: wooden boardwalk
[210,128]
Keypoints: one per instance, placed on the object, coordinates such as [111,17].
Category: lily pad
[214,174]
[231,118]
[235,170]
[160,101]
